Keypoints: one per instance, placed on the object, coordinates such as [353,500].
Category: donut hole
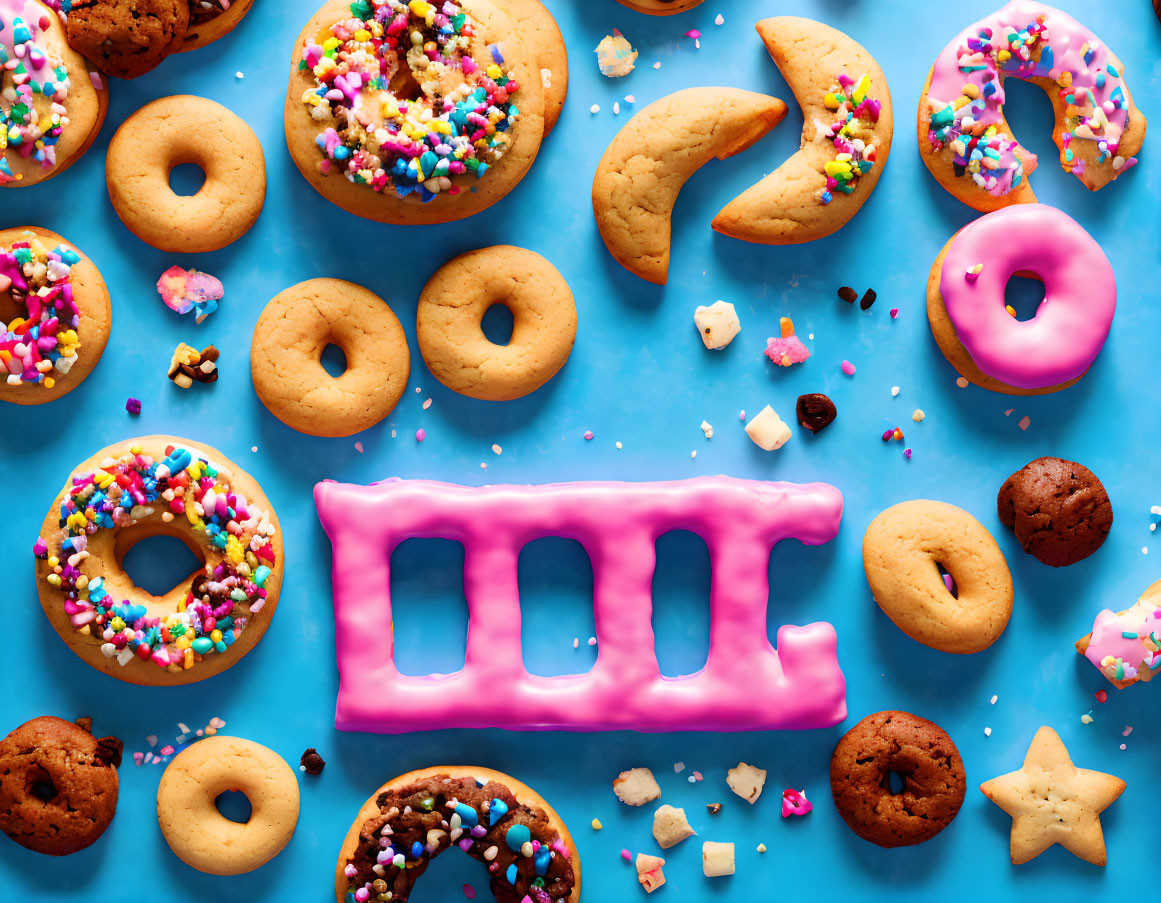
[333,360]
[186,179]
[894,782]
[403,83]
[41,786]
[681,603]
[1024,293]
[429,610]
[158,563]
[948,580]
[555,584]
[234,806]
[497,324]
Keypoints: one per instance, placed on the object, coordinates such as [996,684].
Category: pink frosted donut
[975,330]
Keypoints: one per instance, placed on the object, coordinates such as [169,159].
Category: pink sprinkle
[420,434]
[1128,730]
[626,855]
[1024,422]
[469,892]
[137,757]
[693,33]
[592,641]
[167,750]
[907,453]
[359,447]
[848,368]
[588,435]
[894,312]
[697,776]
[1008,413]
[1101,696]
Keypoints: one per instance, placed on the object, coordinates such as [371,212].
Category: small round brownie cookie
[210,20]
[185,129]
[452,307]
[1058,509]
[58,785]
[286,358]
[126,38]
[917,751]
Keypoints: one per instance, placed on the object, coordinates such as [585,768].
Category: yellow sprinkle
[1011,310]
[597,824]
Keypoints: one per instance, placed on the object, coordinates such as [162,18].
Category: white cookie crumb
[636,787]
[747,781]
[720,20]
[496,449]
[717,324]
[717,859]
[767,430]
[595,108]
[987,732]
[670,826]
[918,415]
[707,429]
[894,391]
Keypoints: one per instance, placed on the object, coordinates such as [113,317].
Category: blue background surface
[638,375]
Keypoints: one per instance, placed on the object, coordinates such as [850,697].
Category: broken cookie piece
[717,324]
[767,430]
[636,787]
[717,859]
[747,781]
[188,365]
[670,826]
[649,872]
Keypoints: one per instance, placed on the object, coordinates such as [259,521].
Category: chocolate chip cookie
[1058,509]
[127,38]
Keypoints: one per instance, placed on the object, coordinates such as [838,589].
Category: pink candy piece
[745,685]
[848,368]
[788,351]
[794,802]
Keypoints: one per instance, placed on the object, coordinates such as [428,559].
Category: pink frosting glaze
[745,685]
[1122,644]
[1080,295]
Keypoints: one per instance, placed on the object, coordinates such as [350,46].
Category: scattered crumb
[239,75]
[576,642]
[707,429]
[619,446]
[359,447]
[597,824]
[616,57]
[649,872]
[616,108]
[254,448]
[1008,413]
[962,382]
[995,697]
[918,415]
[420,434]
[133,406]
[693,454]
[426,403]
[894,312]
[713,808]
[987,732]
[717,859]
[626,855]
[1124,746]
[393,434]
[595,108]
[696,35]
[1086,718]
[761,848]
[720,20]
[767,430]
[592,641]
[657,65]
[670,826]
[678,767]
[742,415]
[629,98]
[1128,730]
[894,391]
[746,781]
[496,449]
[694,777]
[718,324]
[636,787]
[419,390]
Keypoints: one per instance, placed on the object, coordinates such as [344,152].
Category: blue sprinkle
[511,873]
[517,836]
[497,809]
[467,815]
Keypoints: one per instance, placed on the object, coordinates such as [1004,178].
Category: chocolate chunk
[312,762]
[815,412]
[109,749]
[868,299]
[713,808]
[848,294]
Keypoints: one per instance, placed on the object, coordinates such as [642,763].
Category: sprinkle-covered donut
[210,20]
[159,485]
[286,358]
[184,129]
[58,785]
[413,112]
[54,315]
[964,138]
[1126,646]
[982,339]
[203,838]
[491,816]
[52,103]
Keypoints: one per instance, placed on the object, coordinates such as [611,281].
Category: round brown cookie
[660,7]
[58,785]
[903,550]
[209,21]
[543,36]
[452,307]
[1058,509]
[126,38]
[198,833]
[92,300]
[286,358]
[168,133]
[917,751]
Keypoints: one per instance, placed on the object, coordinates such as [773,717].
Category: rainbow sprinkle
[851,132]
[43,341]
[452,121]
[129,489]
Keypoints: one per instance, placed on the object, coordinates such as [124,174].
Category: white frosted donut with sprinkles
[964,137]
[413,112]
[160,486]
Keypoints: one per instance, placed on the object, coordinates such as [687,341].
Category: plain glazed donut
[203,838]
[159,485]
[54,316]
[168,133]
[451,309]
[208,21]
[492,817]
[903,550]
[286,358]
[451,142]
[986,344]
[74,108]
[964,138]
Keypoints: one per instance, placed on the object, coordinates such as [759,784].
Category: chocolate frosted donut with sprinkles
[413,112]
[133,491]
[964,137]
[492,817]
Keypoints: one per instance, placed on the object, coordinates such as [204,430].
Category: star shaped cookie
[1052,801]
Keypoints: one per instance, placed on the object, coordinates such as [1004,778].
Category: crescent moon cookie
[903,551]
[1126,646]
[159,485]
[846,137]
[965,139]
[494,818]
[52,102]
[647,163]
[413,112]
[986,343]
[54,316]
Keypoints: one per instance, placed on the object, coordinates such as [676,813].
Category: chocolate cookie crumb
[815,412]
[869,298]
[848,294]
[312,762]
[1058,509]
[713,808]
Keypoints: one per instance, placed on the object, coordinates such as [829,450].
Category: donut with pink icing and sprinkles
[159,486]
[413,112]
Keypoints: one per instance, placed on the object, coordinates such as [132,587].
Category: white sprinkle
[595,108]
[761,848]
[629,98]
[393,434]
[1123,746]
[894,391]
[720,20]
[994,698]
[496,449]
[427,404]
[810,335]
[987,732]
[238,75]
[707,429]
[483,465]
[692,779]
[419,390]
[657,65]
[254,448]
[693,454]
[1152,528]
[592,641]
[742,415]
[619,446]
[616,108]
